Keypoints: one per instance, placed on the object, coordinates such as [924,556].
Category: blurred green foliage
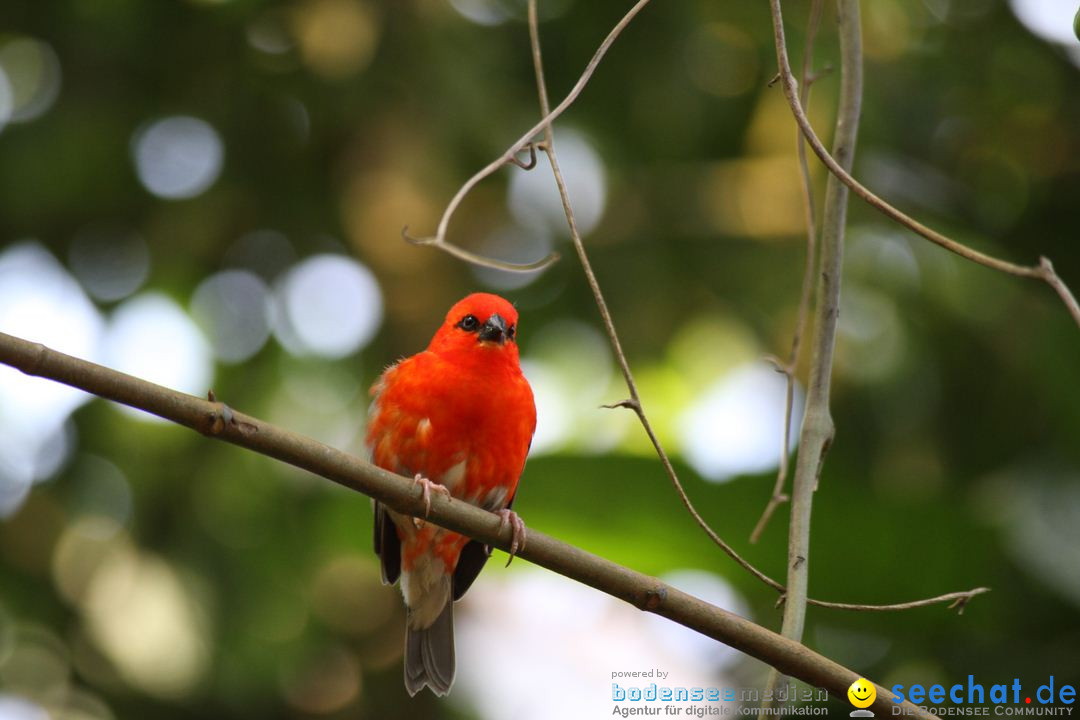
[956,462]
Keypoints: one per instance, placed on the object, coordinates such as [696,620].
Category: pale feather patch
[494,499]
[454,478]
[369,444]
[385,455]
[426,589]
[426,586]
[423,430]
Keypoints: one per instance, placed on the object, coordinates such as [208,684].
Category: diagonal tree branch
[218,421]
[1043,271]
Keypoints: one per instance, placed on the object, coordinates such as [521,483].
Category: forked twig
[957,601]
[439,238]
[1043,271]
[480,260]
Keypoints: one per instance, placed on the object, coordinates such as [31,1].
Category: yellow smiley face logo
[861,694]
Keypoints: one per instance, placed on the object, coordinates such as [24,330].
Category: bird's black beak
[494,330]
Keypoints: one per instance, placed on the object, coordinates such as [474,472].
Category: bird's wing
[473,557]
[386,542]
[475,554]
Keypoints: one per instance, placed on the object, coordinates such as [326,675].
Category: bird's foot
[517,526]
[428,487]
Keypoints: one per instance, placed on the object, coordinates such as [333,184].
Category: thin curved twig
[480,260]
[1059,285]
[634,401]
[1043,271]
[532,158]
[788,369]
[956,600]
[438,240]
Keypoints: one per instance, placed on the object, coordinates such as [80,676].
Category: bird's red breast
[460,413]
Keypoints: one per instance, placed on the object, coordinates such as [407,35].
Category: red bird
[459,417]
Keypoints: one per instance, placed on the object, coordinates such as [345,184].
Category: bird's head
[481,326]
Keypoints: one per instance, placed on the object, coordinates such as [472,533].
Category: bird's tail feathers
[429,654]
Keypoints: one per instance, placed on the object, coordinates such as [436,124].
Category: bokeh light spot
[143,617]
[232,308]
[83,546]
[882,255]
[1051,20]
[111,263]
[374,202]
[1039,509]
[32,71]
[39,301]
[13,707]
[516,245]
[736,425]
[534,198]
[759,197]
[329,305]
[268,34]
[549,615]
[482,12]
[7,99]
[150,337]
[712,344]
[553,408]
[337,38]
[178,157]
[873,340]
[569,366]
[890,30]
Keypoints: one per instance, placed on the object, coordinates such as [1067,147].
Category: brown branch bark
[646,593]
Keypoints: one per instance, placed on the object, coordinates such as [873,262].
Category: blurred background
[210,193]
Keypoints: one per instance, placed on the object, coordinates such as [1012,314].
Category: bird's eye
[469,323]
[511,332]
